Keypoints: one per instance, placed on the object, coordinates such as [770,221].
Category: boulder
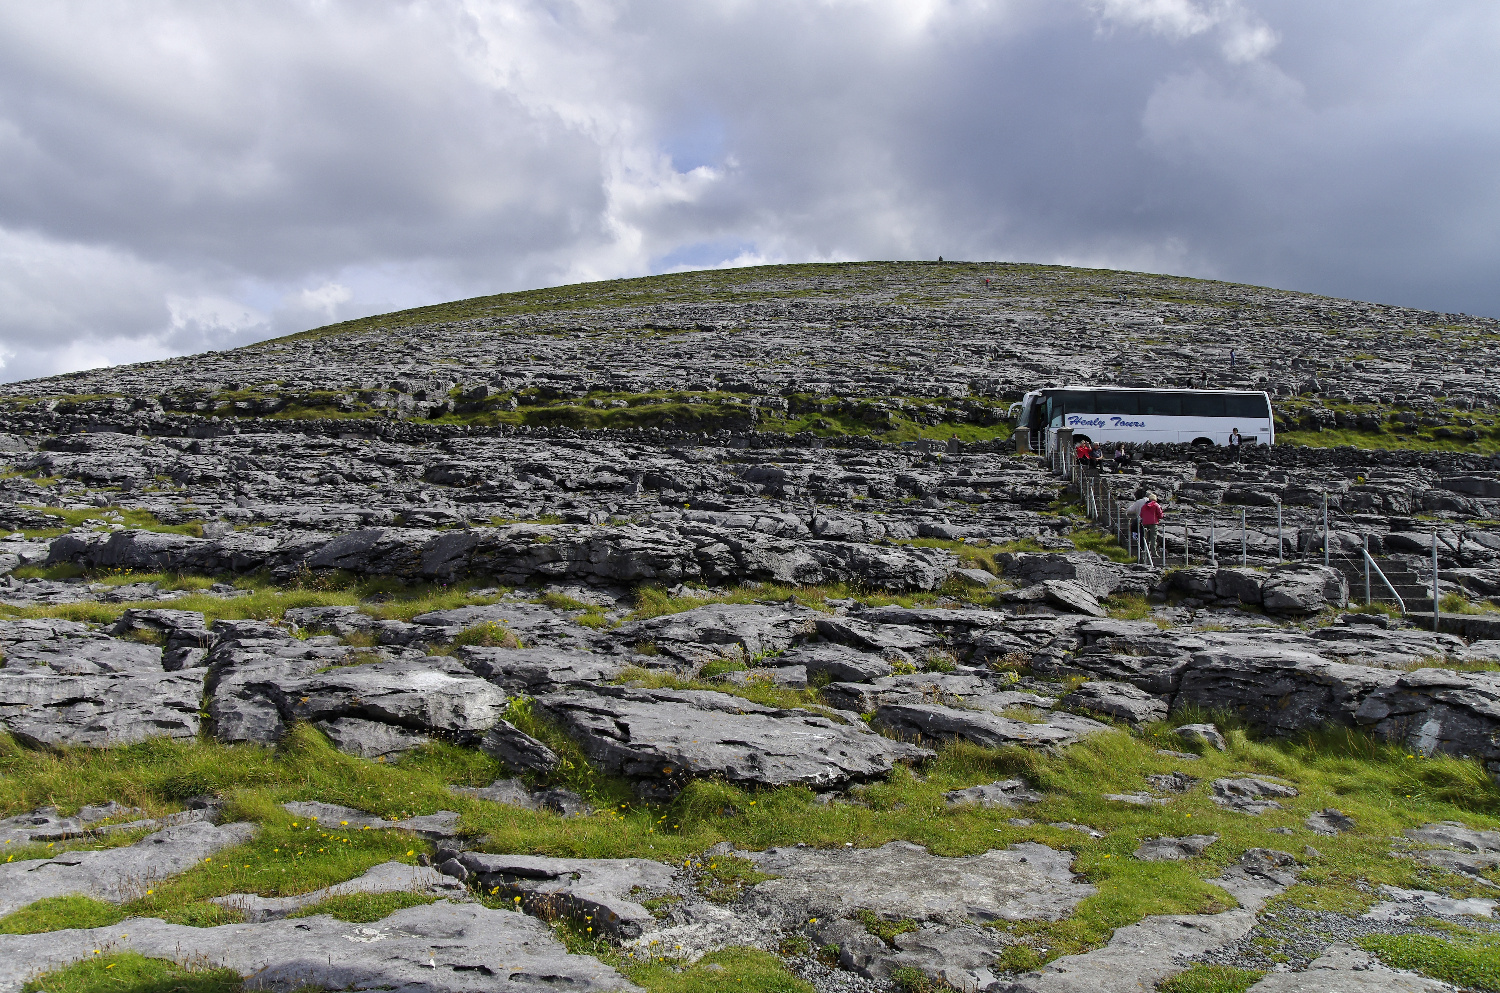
[1004,793]
[1249,795]
[370,739]
[1166,849]
[934,722]
[837,663]
[1304,589]
[1090,570]
[604,892]
[663,738]
[1121,701]
[99,711]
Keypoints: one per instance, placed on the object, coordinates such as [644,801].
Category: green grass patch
[1090,540]
[363,908]
[1469,960]
[1212,979]
[128,972]
[54,913]
[736,969]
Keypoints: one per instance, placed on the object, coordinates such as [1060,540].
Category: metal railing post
[1325,527]
[1213,540]
[1280,548]
[1435,608]
[1187,544]
[1244,539]
[1367,570]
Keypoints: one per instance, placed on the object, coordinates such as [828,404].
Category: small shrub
[647,648]
[56,913]
[938,660]
[718,667]
[364,908]
[488,634]
[884,929]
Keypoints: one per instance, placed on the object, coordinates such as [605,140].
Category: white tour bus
[1107,414]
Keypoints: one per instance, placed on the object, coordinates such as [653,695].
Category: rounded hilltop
[713,631]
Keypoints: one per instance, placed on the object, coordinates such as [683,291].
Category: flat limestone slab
[117,874]
[387,877]
[439,948]
[1027,881]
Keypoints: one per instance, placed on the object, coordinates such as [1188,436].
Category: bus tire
[1208,442]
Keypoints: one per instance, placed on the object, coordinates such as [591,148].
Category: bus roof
[1137,389]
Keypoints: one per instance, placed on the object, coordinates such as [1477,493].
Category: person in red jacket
[1083,453]
[1151,515]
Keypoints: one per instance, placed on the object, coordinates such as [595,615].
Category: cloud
[182,176]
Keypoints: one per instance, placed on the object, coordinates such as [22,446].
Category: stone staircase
[1415,590]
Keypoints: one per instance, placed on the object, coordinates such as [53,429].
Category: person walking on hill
[1151,515]
[1234,444]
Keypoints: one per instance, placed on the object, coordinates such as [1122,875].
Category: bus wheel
[1204,442]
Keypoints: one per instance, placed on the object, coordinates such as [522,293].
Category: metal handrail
[1370,563]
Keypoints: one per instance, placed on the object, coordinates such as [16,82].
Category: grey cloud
[181,176]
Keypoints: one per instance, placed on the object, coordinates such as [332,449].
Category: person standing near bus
[1234,444]
[1081,452]
[1151,515]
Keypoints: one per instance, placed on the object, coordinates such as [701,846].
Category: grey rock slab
[85,656]
[515,792]
[603,892]
[840,663]
[1138,799]
[388,877]
[661,738]
[1088,569]
[749,628]
[1073,597]
[517,749]
[1003,793]
[434,827]
[533,671]
[46,824]
[370,739]
[863,634]
[98,711]
[1455,835]
[1460,848]
[1304,589]
[1403,904]
[439,948]
[913,687]
[117,875]
[934,722]
[1121,701]
[1205,733]
[1249,795]
[432,693]
[1172,782]
[1329,821]
[1027,881]
[1168,849]
[963,957]
[1341,969]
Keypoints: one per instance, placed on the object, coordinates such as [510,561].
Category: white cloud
[185,176]
[325,298]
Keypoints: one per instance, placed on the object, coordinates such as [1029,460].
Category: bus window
[1077,402]
[1249,405]
[1118,403]
[1203,405]
[1169,404]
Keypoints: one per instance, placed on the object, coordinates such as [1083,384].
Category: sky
[183,176]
